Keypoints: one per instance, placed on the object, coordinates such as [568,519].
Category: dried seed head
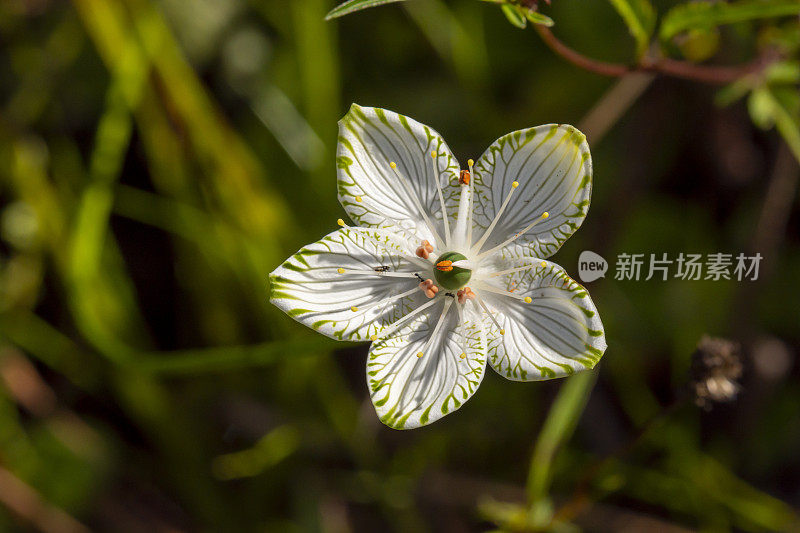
[716,365]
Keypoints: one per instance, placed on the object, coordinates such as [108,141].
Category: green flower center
[449,276]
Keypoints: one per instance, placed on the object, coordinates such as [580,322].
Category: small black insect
[450,294]
[381,269]
[420,278]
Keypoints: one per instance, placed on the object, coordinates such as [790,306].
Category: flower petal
[553,167]
[410,391]
[309,288]
[371,191]
[557,334]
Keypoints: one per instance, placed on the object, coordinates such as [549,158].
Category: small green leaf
[783,72]
[355,5]
[515,15]
[537,18]
[699,44]
[760,106]
[733,92]
[640,17]
[706,15]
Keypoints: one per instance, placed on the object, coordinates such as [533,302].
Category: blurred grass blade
[465,50]
[273,448]
[295,135]
[640,17]
[355,5]
[187,362]
[102,313]
[557,429]
[706,15]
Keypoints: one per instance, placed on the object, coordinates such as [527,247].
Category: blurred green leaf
[640,17]
[706,15]
[355,5]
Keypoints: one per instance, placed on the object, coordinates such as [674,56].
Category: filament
[482,240]
[436,329]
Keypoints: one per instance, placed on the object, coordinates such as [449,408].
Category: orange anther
[465,294]
[463,179]
[424,249]
[428,288]
[444,266]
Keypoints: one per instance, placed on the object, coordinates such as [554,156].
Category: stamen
[516,236]
[436,329]
[397,324]
[482,240]
[389,299]
[496,323]
[428,288]
[509,271]
[424,250]
[464,295]
[374,272]
[470,164]
[416,201]
[441,198]
[391,236]
[463,332]
[358,199]
[495,290]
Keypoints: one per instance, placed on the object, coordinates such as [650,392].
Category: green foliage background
[158,158]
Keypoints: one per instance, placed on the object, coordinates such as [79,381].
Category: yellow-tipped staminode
[341,222]
[393,164]
[470,162]
[420,354]
[373,338]
[515,184]
[545,214]
[354,309]
[340,270]
[358,198]
[527,300]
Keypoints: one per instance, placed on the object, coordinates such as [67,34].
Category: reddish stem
[669,67]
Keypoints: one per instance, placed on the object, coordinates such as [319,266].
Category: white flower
[447,267]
